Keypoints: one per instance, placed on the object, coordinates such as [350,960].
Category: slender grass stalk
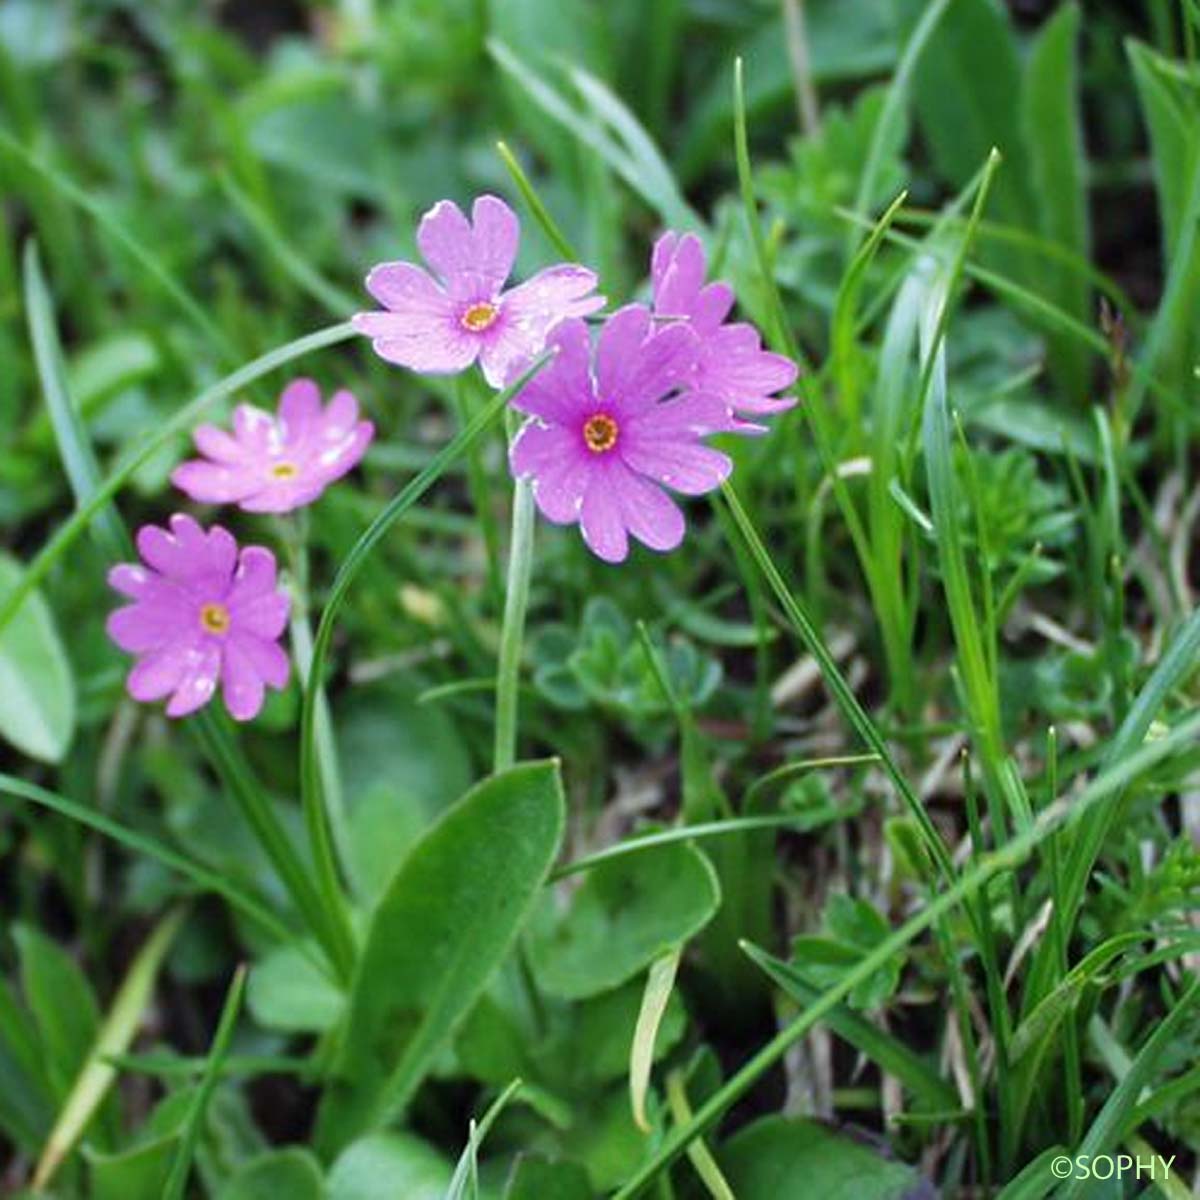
[698,1153]
[537,208]
[838,684]
[968,885]
[181,1165]
[512,632]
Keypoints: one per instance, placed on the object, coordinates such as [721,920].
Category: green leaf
[383,1166]
[628,912]
[137,1173]
[24,1095]
[62,1002]
[292,1173]
[781,1156]
[37,690]
[444,925]
[286,991]
[538,1179]
[1054,140]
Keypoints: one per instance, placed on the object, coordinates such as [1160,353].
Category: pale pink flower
[202,612]
[732,364]
[605,440]
[442,325]
[277,463]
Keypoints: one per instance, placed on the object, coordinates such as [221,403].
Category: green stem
[516,601]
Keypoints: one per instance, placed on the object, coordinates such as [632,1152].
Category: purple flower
[732,364]
[440,326]
[201,611]
[602,443]
[276,464]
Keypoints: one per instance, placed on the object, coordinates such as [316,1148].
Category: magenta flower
[440,326]
[602,443]
[201,611]
[732,364]
[277,463]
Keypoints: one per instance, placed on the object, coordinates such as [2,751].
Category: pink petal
[341,412]
[711,307]
[212,483]
[299,410]
[648,512]
[130,579]
[255,429]
[685,418]
[152,623]
[601,521]
[735,366]
[199,682]
[661,256]
[342,451]
[220,553]
[553,458]
[160,673]
[179,553]
[218,445]
[562,391]
[241,684]
[679,282]
[283,496]
[551,296]
[636,365]
[257,572]
[483,254]
[267,657]
[421,331]
[687,467]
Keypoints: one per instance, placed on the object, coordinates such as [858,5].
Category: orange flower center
[600,433]
[284,470]
[214,618]
[479,316]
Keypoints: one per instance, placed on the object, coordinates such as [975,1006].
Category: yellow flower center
[284,470]
[600,433]
[214,618]
[479,316]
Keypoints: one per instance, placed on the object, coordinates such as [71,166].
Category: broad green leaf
[291,1174]
[627,913]
[383,1166]
[137,1173]
[62,1002]
[286,991]
[444,925]
[967,90]
[781,1156]
[1054,141]
[24,1093]
[37,690]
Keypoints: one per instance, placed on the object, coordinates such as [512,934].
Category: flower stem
[516,601]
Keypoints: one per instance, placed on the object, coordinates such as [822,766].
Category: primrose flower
[604,441]
[441,325]
[277,463]
[202,611]
[732,364]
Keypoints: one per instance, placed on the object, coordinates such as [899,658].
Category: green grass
[854,839]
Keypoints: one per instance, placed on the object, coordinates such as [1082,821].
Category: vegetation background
[966,945]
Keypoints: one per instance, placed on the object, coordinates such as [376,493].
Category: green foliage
[877,794]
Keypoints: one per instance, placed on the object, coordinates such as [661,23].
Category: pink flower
[602,443]
[732,363]
[201,611]
[440,326]
[276,464]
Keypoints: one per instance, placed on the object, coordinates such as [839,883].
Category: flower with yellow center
[600,433]
[214,618]
[479,317]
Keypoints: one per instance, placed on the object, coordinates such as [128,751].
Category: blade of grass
[512,630]
[115,1035]
[149,848]
[533,201]
[698,1153]
[1006,858]
[465,1171]
[1111,1125]
[657,994]
[181,1165]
